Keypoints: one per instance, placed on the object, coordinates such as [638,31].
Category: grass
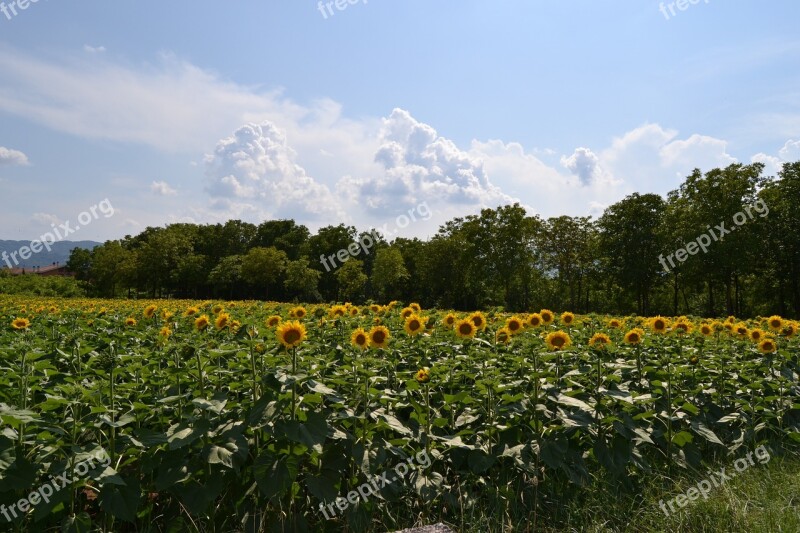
[762,499]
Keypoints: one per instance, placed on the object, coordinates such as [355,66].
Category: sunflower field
[253,416]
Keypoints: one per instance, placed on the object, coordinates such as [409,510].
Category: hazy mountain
[59,253]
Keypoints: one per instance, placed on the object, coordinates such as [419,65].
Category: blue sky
[205,111]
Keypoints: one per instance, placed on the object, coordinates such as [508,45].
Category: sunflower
[379,337]
[558,340]
[354,311]
[165,333]
[201,322]
[415,307]
[337,311]
[20,323]
[767,346]
[273,321]
[659,324]
[423,375]
[479,319]
[502,336]
[775,323]
[682,327]
[600,341]
[706,330]
[191,311]
[406,312]
[465,328]
[547,316]
[515,325]
[567,318]
[731,319]
[298,312]
[222,321]
[757,335]
[150,311]
[414,325]
[291,334]
[166,316]
[741,330]
[614,323]
[789,329]
[634,336]
[360,339]
[130,321]
[375,308]
[450,320]
[535,320]
[217,309]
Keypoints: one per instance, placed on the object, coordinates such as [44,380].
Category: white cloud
[12,157]
[584,164]
[790,151]
[94,49]
[45,218]
[772,164]
[162,188]
[254,173]
[420,166]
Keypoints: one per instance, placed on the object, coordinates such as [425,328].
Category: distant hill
[59,253]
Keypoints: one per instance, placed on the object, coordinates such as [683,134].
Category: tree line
[623,262]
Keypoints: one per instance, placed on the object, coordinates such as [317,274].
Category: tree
[302,280]
[227,274]
[263,267]
[352,280]
[388,274]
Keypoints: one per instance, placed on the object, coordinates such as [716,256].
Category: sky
[116,116]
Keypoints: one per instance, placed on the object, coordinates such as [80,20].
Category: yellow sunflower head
[298,312]
[535,320]
[503,336]
[337,311]
[375,308]
[558,340]
[20,323]
[741,330]
[415,307]
[479,319]
[201,322]
[659,324]
[450,320]
[150,311]
[165,333]
[407,312]
[757,334]
[775,323]
[547,316]
[567,318]
[379,337]
[291,334]
[273,321]
[360,339]
[789,329]
[354,311]
[682,327]
[600,341]
[217,309]
[614,323]
[414,324]
[130,321]
[191,311]
[767,346]
[222,321]
[514,325]
[707,329]
[634,336]
[423,375]
[465,329]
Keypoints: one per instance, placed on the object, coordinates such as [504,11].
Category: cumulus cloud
[772,164]
[790,151]
[254,173]
[94,49]
[419,166]
[162,188]
[12,157]
[45,218]
[584,164]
